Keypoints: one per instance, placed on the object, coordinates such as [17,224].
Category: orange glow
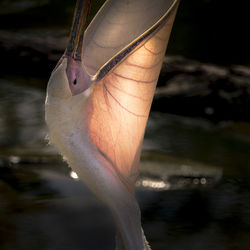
[121,103]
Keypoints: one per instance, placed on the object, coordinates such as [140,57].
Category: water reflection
[74,175]
[21,117]
[226,144]
[153,184]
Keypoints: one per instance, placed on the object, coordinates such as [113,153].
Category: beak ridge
[74,49]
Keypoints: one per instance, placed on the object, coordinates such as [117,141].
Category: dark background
[213,31]
[203,128]
[206,30]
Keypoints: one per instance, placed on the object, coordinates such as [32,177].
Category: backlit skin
[97,105]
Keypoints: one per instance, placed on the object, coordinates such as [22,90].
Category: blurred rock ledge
[191,88]
[185,87]
[46,42]
[32,54]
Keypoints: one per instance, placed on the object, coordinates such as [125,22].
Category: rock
[31,53]
[44,42]
[240,70]
[191,88]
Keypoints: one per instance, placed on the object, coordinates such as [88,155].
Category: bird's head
[70,78]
